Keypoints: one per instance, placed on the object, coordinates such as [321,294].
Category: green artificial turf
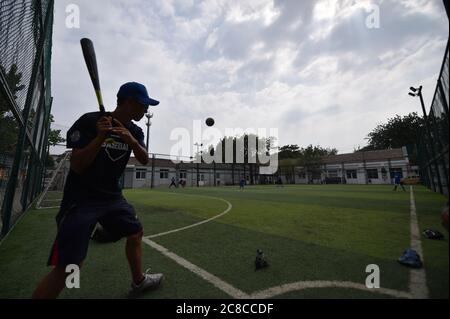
[308,232]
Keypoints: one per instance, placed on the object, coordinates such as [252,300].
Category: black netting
[433,145]
[25,101]
[19,33]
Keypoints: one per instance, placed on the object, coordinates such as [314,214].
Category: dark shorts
[76,222]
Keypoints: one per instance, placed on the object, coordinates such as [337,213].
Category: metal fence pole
[439,144]
[152,184]
[444,101]
[430,141]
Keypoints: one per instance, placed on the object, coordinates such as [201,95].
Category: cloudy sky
[312,69]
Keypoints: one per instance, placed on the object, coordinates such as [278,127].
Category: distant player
[398,181]
[279,182]
[173,183]
[92,194]
[242,183]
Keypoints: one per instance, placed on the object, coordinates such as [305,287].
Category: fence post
[153,172]
[444,101]
[430,141]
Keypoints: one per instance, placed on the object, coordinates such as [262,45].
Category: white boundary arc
[295,286]
[196,224]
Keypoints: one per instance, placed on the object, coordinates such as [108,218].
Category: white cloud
[244,11]
[427,7]
[313,71]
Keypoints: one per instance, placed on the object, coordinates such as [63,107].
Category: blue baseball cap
[137,91]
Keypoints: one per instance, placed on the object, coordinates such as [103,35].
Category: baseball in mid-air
[209,121]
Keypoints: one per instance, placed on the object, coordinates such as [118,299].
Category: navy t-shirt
[99,181]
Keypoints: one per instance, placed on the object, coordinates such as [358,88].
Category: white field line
[273,291]
[196,224]
[216,281]
[51,207]
[263,294]
[301,285]
[417,278]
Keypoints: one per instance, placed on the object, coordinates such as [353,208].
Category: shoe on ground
[150,281]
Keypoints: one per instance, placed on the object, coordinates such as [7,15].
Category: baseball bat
[91,62]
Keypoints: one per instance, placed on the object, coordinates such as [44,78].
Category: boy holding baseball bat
[92,194]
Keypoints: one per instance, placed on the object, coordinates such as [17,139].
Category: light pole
[418,92]
[198,175]
[149,123]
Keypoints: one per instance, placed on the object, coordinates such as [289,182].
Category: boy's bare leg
[51,286]
[133,251]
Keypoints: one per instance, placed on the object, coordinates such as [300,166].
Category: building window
[351,174]
[183,175]
[202,177]
[332,173]
[218,175]
[372,173]
[394,171]
[302,175]
[140,173]
[164,174]
[316,175]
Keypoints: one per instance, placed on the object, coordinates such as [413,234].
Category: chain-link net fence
[167,171]
[54,181]
[162,171]
[25,102]
[432,144]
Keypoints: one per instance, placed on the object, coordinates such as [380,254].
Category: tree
[305,155]
[289,151]
[13,78]
[9,128]
[310,158]
[54,136]
[397,132]
[253,151]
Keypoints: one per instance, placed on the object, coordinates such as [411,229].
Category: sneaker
[149,281]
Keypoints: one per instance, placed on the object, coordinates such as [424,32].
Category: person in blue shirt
[242,183]
[101,144]
[398,181]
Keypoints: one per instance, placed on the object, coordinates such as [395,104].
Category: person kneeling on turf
[101,146]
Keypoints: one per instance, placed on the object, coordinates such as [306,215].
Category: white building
[161,172]
[368,167]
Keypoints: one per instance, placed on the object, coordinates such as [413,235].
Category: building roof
[368,156]
[356,157]
[160,162]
